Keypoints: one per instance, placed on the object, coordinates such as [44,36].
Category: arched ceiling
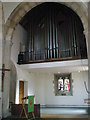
[21,9]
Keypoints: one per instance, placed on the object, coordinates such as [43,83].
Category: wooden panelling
[17,108]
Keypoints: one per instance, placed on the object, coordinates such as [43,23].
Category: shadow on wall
[13,76]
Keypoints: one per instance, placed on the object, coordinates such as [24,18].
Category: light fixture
[58,72]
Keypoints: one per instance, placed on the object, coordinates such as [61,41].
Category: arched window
[63,84]
[55,32]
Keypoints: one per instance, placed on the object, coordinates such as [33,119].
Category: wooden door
[21,91]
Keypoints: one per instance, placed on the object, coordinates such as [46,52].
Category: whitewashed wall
[20,35]
[41,85]
[45,90]
[8,8]
[23,75]
[13,77]
[79,93]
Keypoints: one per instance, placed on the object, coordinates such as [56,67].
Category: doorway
[21,91]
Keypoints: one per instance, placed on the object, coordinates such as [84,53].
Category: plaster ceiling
[57,67]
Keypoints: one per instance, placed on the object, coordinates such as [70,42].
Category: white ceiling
[57,67]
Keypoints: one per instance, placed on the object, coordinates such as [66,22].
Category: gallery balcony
[55,34]
[50,55]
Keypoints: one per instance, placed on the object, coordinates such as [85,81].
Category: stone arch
[78,7]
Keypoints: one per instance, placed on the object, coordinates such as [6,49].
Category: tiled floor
[53,117]
[48,119]
[62,116]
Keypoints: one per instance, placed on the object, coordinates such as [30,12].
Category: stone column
[89,46]
[86,36]
[7,54]
[89,51]
[1,55]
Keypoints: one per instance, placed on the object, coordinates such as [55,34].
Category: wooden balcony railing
[46,55]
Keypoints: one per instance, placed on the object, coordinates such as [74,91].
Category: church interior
[45,53]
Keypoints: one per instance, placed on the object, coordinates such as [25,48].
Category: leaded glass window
[63,84]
